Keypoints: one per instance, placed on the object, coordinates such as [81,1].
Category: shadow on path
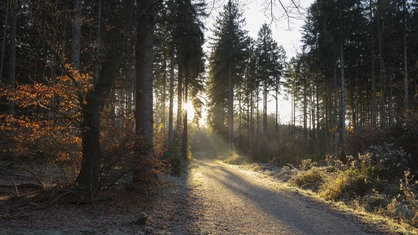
[287,210]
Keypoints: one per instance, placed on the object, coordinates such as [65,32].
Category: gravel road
[238,201]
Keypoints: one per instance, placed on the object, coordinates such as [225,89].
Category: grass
[353,188]
[343,185]
[310,179]
[195,178]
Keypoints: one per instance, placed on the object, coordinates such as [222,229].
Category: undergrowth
[377,181]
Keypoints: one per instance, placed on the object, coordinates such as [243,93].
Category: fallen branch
[37,178]
[10,217]
[15,187]
[61,195]
[113,180]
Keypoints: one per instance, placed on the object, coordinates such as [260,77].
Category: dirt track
[236,201]
[214,198]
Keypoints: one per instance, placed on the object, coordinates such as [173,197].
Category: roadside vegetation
[364,183]
[379,182]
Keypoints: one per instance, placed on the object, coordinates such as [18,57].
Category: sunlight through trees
[113,90]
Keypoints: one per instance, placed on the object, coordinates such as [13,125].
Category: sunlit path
[239,202]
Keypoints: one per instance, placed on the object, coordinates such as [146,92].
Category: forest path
[231,200]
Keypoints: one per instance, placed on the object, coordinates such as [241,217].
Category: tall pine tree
[226,68]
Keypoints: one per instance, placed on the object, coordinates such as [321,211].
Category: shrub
[171,157]
[374,200]
[117,150]
[368,181]
[45,125]
[307,164]
[233,158]
[344,185]
[409,189]
[308,179]
[393,209]
[333,161]
[389,161]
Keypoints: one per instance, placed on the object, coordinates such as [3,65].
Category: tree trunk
[312,140]
[171,105]
[12,63]
[185,137]
[112,107]
[257,122]
[277,110]
[305,112]
[240,110]
[265,93]
[294,117]
[390,98]
[382,72]
[3,45]
[179,98]
[99,40]
[230,109]
[90,165]
[329,117]
[251,120]
[276,132]
[88,178]
[318,114]
[144,92]
[335,107]
[405,58]
[356,100]
[76,35]
[373,77]
[342,130]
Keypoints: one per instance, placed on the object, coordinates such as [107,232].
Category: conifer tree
[226,68]
[269,67]
[188,40]
[144,62]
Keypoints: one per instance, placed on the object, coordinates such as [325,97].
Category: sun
[191,114]
[187,106]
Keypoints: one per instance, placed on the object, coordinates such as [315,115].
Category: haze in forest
[108,97]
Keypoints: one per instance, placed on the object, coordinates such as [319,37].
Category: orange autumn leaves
[46,117]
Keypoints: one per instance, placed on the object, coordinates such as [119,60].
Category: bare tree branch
[276,10]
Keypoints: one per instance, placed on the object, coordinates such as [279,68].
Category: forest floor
[212,198]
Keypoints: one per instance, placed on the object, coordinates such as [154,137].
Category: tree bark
[12,63]
[99,39]
[390,98]
[342,130]
[305,112]
[373,77]
[265,93]
[76,35]
[88,178]
[3,45]
[293,116]
[179,98]
[405,58]
[382,72]
[335,107]
[251,120]
[185,137]
[90,165]
[230,110]
[144,92]
[277,109]
[171,94]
